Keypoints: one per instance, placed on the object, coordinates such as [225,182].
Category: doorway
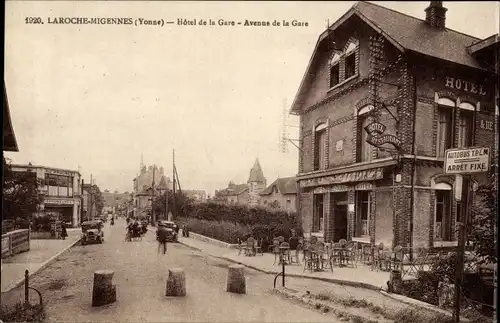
[339,201]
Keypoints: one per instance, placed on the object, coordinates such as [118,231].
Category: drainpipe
[412,196]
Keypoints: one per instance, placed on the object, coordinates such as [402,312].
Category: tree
[182,203]
[21,196]
[97,198]
[482,229]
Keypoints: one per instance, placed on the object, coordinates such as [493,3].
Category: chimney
[436,15]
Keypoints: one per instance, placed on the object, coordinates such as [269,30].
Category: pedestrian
[64,233]
[161,235]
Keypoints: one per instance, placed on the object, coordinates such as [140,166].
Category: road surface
[140,277]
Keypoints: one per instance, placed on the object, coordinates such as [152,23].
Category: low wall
[38,235]
[212,241]
[15,242]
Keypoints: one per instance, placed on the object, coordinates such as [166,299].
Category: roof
[256,174]
[286,185]
[404,32]
[233,190]
[9,138]
[29,166]
[483,44]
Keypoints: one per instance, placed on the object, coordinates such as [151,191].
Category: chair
[276,251]
[308,260]
[350,253]
[285,251]
[281,239]
[397,258]
[324,256]
[258,246]
[335,254]
[343,243]
[377,256]
[295,255]
[250,247]
[275,242]
[242,247]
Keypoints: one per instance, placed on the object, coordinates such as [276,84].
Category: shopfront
[68,210]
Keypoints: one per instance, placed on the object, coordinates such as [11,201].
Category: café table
[340,251]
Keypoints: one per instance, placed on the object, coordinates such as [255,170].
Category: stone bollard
[176,282]
[396,281]
[236,280]
[103,292]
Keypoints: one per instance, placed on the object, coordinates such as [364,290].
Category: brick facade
[411,89]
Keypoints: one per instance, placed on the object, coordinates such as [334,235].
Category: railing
[15,242]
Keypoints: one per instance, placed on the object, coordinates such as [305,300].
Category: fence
[15,242]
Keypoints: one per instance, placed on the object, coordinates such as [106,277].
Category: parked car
[172,230]
[92,232]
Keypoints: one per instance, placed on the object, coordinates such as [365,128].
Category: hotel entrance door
[339,201]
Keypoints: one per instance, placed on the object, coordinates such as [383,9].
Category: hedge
[229,223]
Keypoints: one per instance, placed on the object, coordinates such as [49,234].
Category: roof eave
[12,145]
[482,44]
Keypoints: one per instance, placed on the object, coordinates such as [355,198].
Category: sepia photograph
[250,161]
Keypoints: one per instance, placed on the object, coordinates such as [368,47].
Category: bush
[20,313]
[219,230]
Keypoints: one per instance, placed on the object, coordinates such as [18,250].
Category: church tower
[256,183]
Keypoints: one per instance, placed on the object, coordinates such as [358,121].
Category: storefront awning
[358,176]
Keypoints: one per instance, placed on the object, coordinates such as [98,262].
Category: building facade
[143,191]
[233,194]
[256,184]
[384,95]
[61,189]
[281,194]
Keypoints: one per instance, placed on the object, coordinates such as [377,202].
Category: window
[444,139]
[318,213]
[443,229]
[334,75]
[364,149]
[350,65]
[59,185]
[334,69]
[465,130]
[320,147]
[362,225]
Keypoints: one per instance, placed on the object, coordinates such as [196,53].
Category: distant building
[61,189]
[143,187]
[233,194]
[112,200]
[281,194]
[198,195]
[256,183]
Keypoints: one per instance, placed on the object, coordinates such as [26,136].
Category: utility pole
[166,200]
[91,193]
[173,186]
[81,206]
[153,221]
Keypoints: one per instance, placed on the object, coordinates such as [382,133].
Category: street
[140,277]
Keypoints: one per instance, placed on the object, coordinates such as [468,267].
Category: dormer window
[343,64]
[334,70]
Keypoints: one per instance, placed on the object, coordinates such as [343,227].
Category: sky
[95,97]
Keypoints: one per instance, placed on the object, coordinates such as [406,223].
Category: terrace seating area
[314,256]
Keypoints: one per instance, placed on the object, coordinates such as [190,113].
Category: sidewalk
[362,276]
[41,253]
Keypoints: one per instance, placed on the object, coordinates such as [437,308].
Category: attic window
[350,65]
[334,69]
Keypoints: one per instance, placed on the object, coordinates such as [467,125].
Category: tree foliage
[482,229]
[182,203]
[21,196]
[97,198]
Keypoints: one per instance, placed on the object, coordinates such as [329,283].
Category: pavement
[360,276]
[41,253]
[140,274]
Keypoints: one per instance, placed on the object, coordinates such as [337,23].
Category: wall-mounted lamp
[398,178]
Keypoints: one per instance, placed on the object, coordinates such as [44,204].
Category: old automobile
[92,232]
[171,228]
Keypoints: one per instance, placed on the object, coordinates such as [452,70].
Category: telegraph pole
[91,199]
[174,181]
[81,206]
[153,220]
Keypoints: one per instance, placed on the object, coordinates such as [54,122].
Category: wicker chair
[258,246]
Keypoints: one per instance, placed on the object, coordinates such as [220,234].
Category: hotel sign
[466,86]
[376,137]
[60,202]
[361,176]
[467,161]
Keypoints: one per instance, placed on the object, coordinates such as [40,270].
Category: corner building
[430,88]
